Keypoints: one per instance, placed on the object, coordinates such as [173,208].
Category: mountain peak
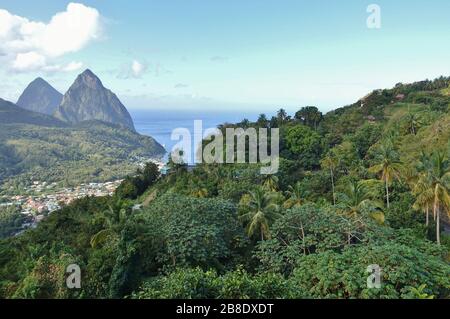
[39,80]
[87,99]
[40,96]
[89,78]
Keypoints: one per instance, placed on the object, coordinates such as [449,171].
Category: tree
[357,198]
[115,217]
[389,167]
[262,121]
[304,144]
[134,186]
[270,182]
[295,196]
[413,122]
[282,117]
[258,212]
[421,186]
[439,170]
[331,163]
[245,123]
[310,116]
[423,190]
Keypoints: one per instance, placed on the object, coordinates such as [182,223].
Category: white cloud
[73,66]
[69,67]
[28,61]
[138,68]
[134,70]
[32,45]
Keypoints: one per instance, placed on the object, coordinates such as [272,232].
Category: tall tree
[262,120]
[420,183]
[423,190]
[439,171]
[413,122]
[331,163]
[282,117]
[389,166]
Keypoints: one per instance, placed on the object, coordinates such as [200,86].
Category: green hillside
[88,152]
[367,185]
[11,113]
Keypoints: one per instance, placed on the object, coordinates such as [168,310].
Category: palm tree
[295,196]
[282,117]
[331,163]
[262,120]
[413,122]
[439,171]
[357,198]
[423,190]
[270,182]
[245,123]
[420,183]
[115,217]
[389,167]
[259,212]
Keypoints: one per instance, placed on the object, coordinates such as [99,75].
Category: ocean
[160,124]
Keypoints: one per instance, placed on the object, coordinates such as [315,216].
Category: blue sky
[245,55]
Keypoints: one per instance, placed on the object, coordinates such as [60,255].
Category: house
[371,119]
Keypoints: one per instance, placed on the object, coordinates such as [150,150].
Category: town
[47,198]
[40,198]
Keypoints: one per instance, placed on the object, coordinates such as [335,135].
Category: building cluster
[44,201]
[41,198]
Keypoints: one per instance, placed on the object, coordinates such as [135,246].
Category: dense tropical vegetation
[367,184]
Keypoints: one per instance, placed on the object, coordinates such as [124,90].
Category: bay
[160,124]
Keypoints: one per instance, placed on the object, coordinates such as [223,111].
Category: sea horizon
[160,124]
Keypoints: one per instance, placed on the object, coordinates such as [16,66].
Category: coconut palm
[115,217]
[423,190]
[282,117]
[294,195]
[413,122]
[439,171]
[270,182]
[389,167]
[245,123]
[421,186]
[357,198]
[258,212]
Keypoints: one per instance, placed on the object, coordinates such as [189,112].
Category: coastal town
[40,198]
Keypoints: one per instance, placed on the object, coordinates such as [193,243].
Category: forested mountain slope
[366,185]
[88,152]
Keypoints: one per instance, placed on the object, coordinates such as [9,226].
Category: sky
[224,55]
